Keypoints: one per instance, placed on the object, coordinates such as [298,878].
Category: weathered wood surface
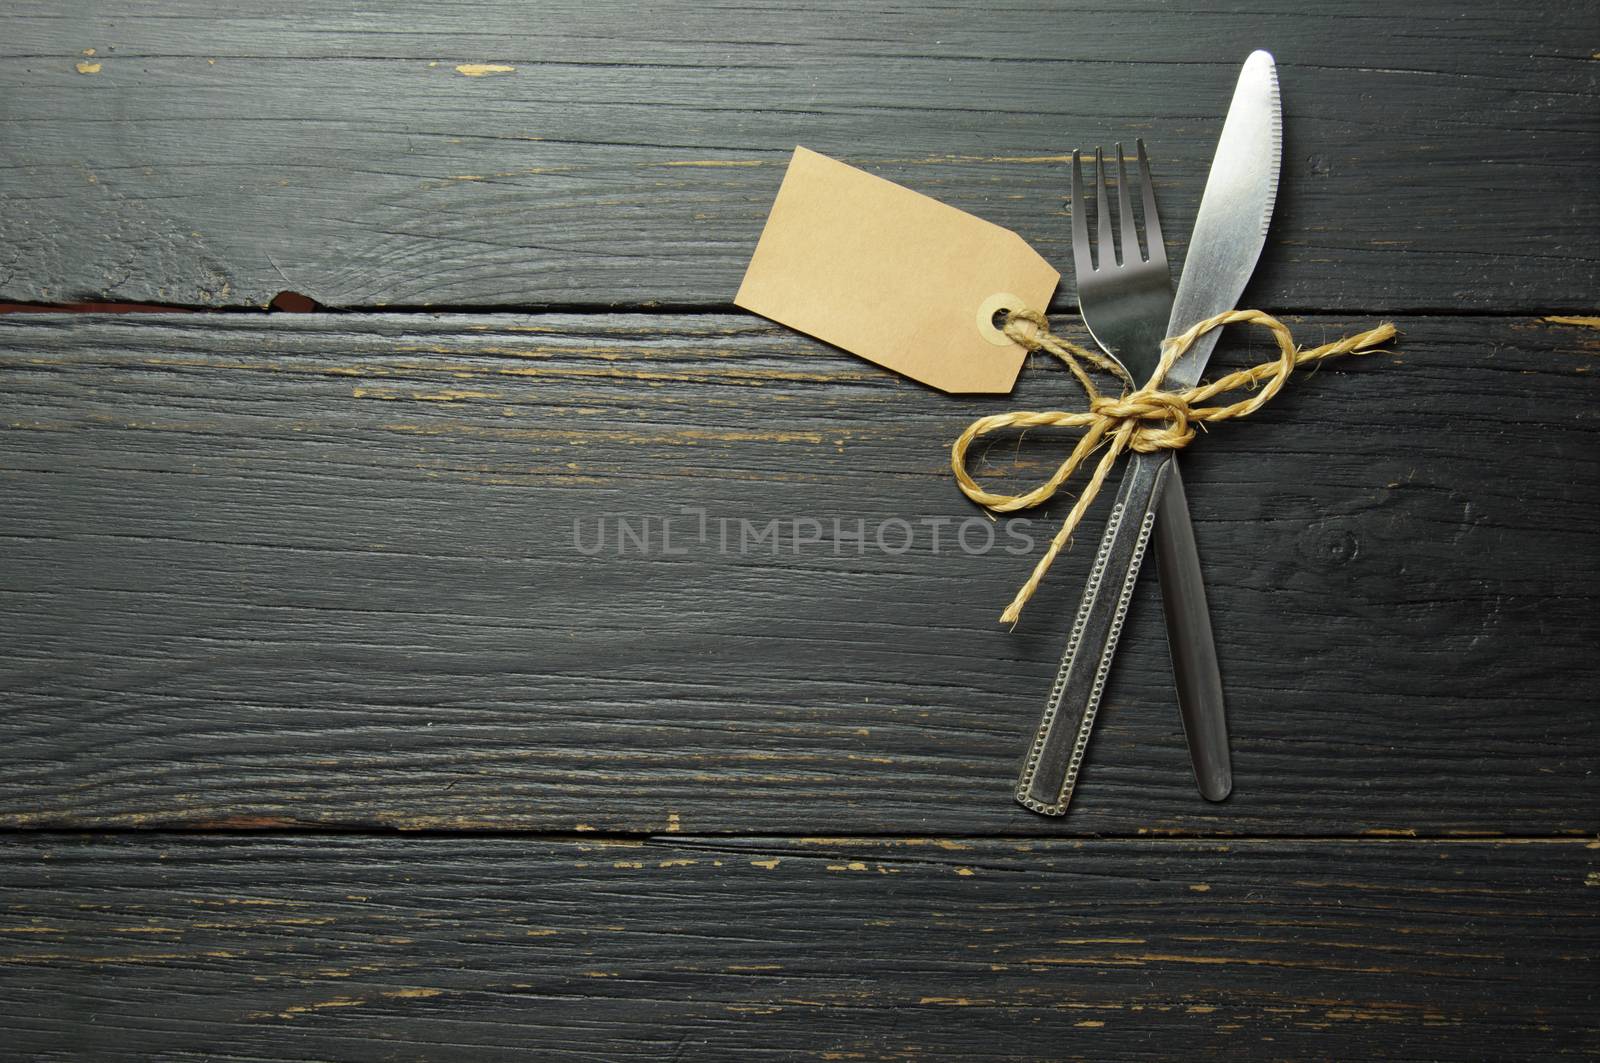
[307,947]
[1438,156]
[261,574]
[322,569]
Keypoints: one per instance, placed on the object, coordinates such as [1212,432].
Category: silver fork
[1126,301]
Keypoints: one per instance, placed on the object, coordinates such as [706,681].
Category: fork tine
[1156,246]
[1130,235]
[1102,206]
[1082,263]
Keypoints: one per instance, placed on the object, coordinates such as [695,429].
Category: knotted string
[1145,420]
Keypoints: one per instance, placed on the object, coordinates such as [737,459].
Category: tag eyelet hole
[992,317]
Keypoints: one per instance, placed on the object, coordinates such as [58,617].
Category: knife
[1191,645]
[1229,233]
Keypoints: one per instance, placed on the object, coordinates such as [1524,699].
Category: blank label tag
[894,276]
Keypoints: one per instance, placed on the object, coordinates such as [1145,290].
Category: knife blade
[1230,231]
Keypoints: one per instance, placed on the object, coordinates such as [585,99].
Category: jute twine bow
[1145,420]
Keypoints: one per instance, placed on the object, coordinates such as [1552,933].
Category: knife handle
[1050,768]
[1194,652]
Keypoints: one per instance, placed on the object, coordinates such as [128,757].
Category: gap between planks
[695,309]
[1589,839]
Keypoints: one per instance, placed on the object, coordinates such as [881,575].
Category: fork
[1126,301]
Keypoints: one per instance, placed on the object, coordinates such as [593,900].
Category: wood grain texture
[264,574]
[307,947]
[322,569]
[1438,157]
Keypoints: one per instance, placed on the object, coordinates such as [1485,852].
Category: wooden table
[323,740]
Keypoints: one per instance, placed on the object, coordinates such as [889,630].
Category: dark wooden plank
[307,947]
[322,569]
[1437,156]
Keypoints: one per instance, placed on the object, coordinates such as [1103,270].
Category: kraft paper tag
[894,276]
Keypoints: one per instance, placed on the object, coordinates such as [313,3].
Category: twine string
[1144,420]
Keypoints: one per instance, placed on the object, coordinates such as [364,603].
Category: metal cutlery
[1126,301]
[1229,233]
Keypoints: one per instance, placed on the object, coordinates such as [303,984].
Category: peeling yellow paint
[769,863]
[942,843]
[965,872]
[673,823]
[412,994]
[541,933]
[443,395]
[1200,887]
[1169,957]
[478,70]
[1592,879]
[953,1002]
[88,51]
[854,865]
[88,68]
[337,1002]
[678,863]
[1089,1024]
[1363,1015]
[1032,159]
[626,864]
[1584,322]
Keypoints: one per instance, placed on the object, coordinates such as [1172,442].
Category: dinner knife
[1229,233]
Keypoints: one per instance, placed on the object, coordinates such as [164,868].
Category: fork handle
[1050,768]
